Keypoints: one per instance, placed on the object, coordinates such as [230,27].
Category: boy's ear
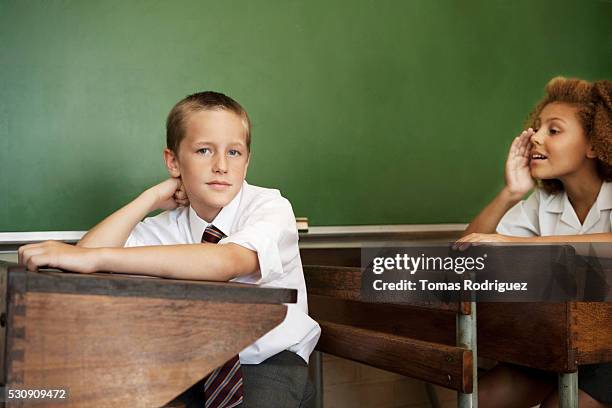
[247,165]
[172,165]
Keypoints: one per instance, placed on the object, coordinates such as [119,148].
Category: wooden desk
[118,341]
[551,336]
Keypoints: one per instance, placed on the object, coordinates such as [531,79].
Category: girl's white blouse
[543,214]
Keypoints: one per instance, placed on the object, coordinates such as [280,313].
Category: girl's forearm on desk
[600,237]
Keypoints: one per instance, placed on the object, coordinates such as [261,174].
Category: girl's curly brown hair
[594,103]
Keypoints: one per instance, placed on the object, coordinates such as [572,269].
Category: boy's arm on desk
[190,261]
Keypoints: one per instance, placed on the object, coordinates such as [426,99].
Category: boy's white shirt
[544,214]
[262,220]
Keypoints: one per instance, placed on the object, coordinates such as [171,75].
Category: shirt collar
[557,202]
[604,199]
[223,221]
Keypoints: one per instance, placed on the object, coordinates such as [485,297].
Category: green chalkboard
[364,112]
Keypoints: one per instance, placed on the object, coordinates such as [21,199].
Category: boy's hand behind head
[169,194]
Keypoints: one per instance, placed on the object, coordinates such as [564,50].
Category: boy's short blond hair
[201,101]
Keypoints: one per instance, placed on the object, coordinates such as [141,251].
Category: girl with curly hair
[566,155]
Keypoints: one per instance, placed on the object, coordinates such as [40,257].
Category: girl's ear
[590,153]
[172,163]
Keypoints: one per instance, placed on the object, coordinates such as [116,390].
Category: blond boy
[207,156]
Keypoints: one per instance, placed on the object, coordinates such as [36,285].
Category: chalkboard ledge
[314,237]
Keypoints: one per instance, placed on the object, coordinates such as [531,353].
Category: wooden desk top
[53,280]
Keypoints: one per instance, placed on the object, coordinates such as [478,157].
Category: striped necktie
[223,387]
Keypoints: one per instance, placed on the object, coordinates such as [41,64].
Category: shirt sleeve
[271,231]
[145,233]
[136,237]
[522,220]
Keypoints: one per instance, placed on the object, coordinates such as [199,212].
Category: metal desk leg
[568,390]
[316,367]
[466,337]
